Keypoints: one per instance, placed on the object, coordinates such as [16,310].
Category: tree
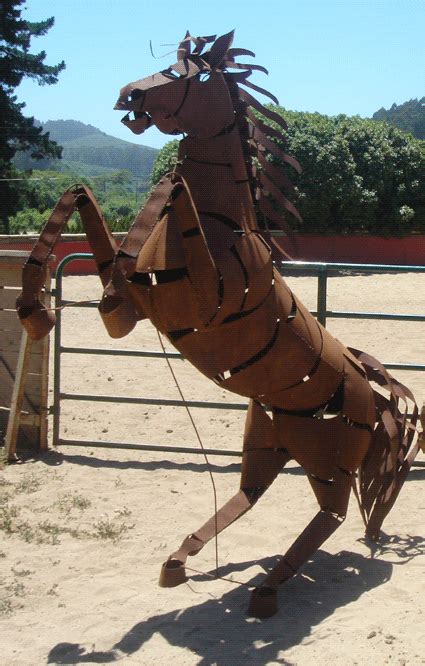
[18,132]
[116,193]
[358,175]
[391,167]
[165,161]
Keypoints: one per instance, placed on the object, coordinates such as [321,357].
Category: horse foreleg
[173,570]
[254,483]
[333,497]
[260,465]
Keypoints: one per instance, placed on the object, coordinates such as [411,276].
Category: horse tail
[392,451]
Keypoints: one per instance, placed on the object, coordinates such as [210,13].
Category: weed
[108,529]
[49,533]
[44,532]
[29,483]
[20,573]
[16,589]
[66,503]
[4,482]
[25,531]
[6,607]
[80,502]
[2,555]
[4,498]
[7,516]
[52,592]
[124,512]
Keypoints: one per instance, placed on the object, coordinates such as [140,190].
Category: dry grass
[25,516]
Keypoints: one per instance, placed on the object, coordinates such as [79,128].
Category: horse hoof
[263,602]
[172,574]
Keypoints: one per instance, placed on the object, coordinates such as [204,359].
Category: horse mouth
[140,121]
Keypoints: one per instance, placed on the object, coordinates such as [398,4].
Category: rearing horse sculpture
[197,265]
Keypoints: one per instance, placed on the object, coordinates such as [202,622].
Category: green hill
[89,151]
[409,117]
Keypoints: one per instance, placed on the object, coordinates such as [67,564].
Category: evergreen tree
[16,131]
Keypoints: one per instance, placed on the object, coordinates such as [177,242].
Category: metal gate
[321,270]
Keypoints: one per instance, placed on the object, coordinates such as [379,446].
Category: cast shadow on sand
[56,458]
[219,632]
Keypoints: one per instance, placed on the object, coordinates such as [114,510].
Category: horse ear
[219,49]
[184,47]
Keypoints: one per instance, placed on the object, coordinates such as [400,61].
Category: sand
[85,530]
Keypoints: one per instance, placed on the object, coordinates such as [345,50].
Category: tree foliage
[165,161]
[359,176]
[410,117]
[18,132]
[117,194]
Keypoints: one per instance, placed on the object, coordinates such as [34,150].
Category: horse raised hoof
[37,320]
[172,574]
[118,315]
[263,602]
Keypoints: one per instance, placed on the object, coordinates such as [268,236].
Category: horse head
[190,97]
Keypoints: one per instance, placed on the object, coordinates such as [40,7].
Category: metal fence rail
[319,269]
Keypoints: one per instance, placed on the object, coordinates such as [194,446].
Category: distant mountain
[409,117]
[88,151]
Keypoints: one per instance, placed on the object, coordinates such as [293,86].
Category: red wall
[311,247]
[61,250]
[360,249]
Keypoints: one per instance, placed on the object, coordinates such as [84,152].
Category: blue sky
[331,56]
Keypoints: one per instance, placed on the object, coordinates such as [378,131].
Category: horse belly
[321,446]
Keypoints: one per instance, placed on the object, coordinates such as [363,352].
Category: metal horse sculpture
[197,265]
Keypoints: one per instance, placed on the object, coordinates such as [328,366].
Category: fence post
[24,365]
[322,286]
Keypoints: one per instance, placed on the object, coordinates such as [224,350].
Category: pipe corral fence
[321,270]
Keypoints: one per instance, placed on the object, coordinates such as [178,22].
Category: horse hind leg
[261,463]
[333,497]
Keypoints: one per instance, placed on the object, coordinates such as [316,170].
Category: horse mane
[267,181]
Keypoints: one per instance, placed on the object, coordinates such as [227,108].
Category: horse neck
[220,158]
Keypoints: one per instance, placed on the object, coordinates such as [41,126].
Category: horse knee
[333,494]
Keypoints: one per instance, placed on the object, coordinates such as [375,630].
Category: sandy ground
[85,530]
